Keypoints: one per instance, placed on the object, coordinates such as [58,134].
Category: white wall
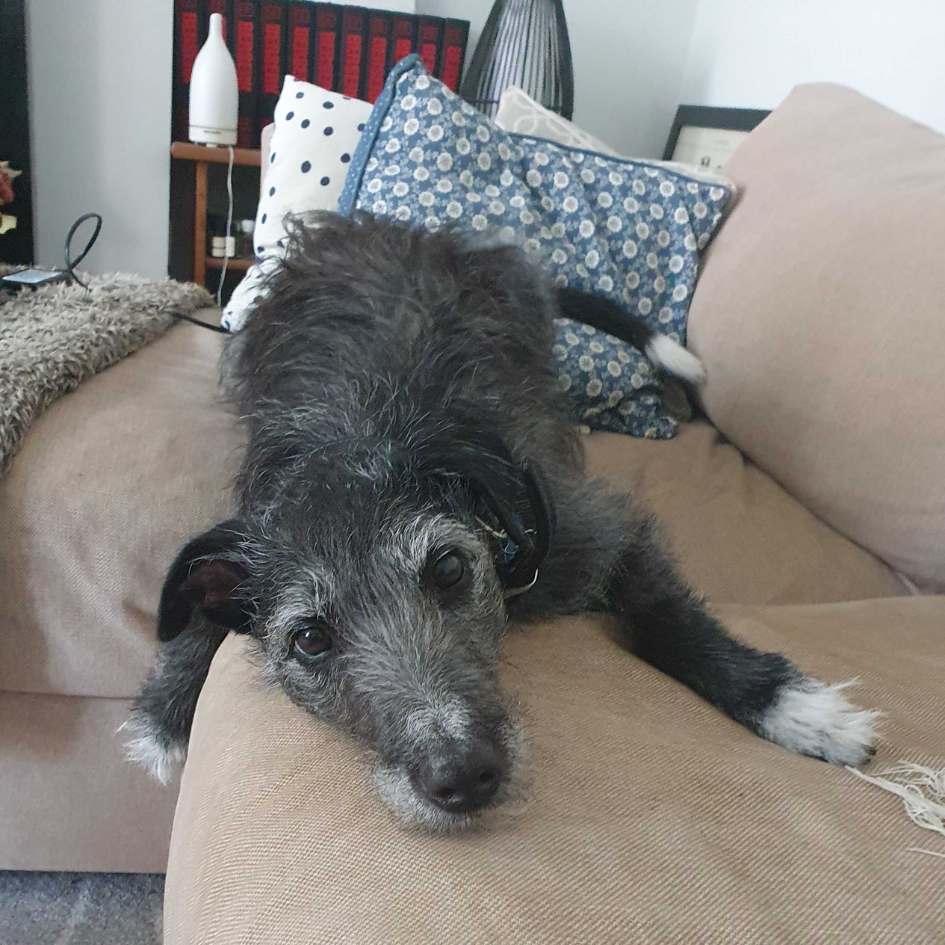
[750,53]
[629,60]
[100,100]
[635,61]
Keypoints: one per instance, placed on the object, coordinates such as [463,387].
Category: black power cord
[196,321]
[73,261]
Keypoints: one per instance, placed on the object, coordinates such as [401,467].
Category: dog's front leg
[607,556]
[158,729]
[666,623]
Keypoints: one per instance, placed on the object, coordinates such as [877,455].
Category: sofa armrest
[648,816]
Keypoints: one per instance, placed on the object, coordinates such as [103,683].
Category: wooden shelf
[242,157]
[236,263]
[202,157]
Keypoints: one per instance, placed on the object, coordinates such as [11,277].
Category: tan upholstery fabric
[108,485]
[68,798]
[738,535]
[819,315]
[652,818]
[110,481]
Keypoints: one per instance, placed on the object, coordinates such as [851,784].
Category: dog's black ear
[207,576]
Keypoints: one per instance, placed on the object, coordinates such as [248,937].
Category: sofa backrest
[820,315]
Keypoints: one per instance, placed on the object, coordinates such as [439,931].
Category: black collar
[520,535]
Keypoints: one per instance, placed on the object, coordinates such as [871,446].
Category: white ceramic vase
[214,96]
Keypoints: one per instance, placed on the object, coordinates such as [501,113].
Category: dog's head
[376,587]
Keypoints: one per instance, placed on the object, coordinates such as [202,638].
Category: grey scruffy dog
[412,483]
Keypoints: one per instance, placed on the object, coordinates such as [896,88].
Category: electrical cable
[197,321]
[70,261]
[229,226]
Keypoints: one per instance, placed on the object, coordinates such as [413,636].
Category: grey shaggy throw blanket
[52,339]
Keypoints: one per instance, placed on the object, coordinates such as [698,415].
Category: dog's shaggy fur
[408,453]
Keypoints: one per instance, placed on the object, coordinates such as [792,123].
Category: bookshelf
[235,264]
[201,157]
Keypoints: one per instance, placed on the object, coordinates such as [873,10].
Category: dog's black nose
[460,779]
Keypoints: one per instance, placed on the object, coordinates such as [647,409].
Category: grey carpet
[80,909]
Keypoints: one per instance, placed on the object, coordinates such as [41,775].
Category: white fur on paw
[144,747]
[815,719]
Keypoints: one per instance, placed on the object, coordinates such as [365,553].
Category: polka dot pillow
[315,137]
[629,230]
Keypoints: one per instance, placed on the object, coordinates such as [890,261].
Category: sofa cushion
[738,536]
[70,799]
[109,483]
[819,315]
[650,818]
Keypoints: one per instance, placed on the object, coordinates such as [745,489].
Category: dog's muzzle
[460,778]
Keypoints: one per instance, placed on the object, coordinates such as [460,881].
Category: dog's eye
[448,570]
[312,642]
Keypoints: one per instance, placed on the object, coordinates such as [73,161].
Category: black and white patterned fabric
[314,139]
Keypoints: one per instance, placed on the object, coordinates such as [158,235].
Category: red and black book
[455,37]
[223,7]
[272,15]
[380,26]
[353,43]
[430,42]
[300,38]
[187,32]
[403,39]
[243,43]
[327,45]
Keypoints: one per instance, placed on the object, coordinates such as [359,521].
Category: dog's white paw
[813,718]
[145,746]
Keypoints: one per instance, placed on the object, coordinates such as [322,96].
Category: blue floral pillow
[628,230]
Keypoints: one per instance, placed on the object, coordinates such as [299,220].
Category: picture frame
[705,137]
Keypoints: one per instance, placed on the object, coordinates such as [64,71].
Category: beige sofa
[106,484]
[809,505]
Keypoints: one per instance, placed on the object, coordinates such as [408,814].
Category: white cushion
[315,136]
[523,115]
